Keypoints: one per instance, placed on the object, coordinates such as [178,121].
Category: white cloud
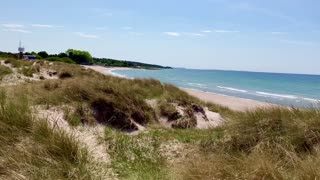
[172,34]
[44,26]
[176,34]
[206,31]
[194,34]
[225,31]
[17,30]
[84,35]
[13,26]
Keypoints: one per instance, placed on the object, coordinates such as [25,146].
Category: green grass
[135,157]
[19,63]
[31,149]
[273,143]
[191,136]
[28,71]
[126,97]
[4,71]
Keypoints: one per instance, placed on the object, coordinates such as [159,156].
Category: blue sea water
[284,89]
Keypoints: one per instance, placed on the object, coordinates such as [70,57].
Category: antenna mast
[21,50]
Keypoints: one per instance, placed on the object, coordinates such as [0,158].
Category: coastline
[234,103]
[106,70]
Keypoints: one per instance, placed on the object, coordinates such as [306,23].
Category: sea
[296,90]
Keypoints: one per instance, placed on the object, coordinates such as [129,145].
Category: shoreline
[107,70]
[234,103]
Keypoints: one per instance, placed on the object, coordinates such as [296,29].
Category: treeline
[73,56]
[120,63]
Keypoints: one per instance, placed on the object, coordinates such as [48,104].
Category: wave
[232,89]
[312,100]
[277,95]
[197,84]
[116,74]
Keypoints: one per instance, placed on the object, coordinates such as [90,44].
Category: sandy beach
[234,103]
[106,70]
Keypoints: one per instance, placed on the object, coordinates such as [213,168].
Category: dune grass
[278,143]
[97,92]
[4,71]
[135,157]
[274,143]
[31,149]
[18,63]
[29,71]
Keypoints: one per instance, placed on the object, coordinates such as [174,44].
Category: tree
[43,54]
[62,55]
[80,57]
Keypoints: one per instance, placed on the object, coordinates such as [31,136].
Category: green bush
[58,59]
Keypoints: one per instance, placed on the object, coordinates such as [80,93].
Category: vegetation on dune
[111,100]
[18,63]
[274,143]
[31,149]
[29,71]
[136,157]
[4,71]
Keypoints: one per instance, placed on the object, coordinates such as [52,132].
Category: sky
[250,35]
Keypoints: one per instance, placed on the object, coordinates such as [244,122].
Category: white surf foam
[116,74]
[197,84]
[312,100]
[277,95]
[232,89]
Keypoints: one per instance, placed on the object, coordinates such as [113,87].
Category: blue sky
[253,35]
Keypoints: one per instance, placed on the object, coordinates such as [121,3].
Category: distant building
[29,57]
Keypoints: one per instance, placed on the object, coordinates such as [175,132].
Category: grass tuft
[31,149]
[135,157]
[4,71]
